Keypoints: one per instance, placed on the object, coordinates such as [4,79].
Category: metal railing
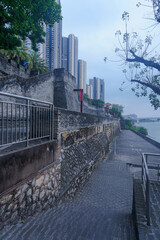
[146,186]
[150,168]
[23,119]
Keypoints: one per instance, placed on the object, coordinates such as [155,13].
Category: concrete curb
[148,139]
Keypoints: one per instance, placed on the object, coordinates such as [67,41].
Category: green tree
[142,65]
[130,126]
[95,102]
[25,18]
[36,63]
[19,54]
[116,111]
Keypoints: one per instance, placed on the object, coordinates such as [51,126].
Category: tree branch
[147,63]
[149,85]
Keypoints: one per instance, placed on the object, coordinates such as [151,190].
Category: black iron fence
[150,173]
[24,119]
[146,186]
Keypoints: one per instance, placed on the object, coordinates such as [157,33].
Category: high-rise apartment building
[82,74]
[54,45]
[70,55]
[89,91]
[98,88]
[65,53]
[102,90]
[76,58]
[51,50]
[41,46]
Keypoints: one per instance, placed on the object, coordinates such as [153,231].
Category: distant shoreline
[153,128]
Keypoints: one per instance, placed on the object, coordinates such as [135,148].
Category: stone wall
[39,192]
[38,87]
[55,87]
[68,120]
[10,67]
[81,150]
[55,177]
[91,109]
[64,96]
[19,165]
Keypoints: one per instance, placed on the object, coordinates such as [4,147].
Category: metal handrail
[24,98]
[146,180]
[146,186]
[152,154]
[24,121]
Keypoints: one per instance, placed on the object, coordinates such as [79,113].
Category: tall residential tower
[54,44]
[70,55]
[98,88]
[82,72]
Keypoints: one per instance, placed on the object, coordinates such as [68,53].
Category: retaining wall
[39,87]
[68,120]
[10,67]
[56,87]
[54,174]
[148,139]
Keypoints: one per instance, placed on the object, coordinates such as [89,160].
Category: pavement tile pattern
[101,210]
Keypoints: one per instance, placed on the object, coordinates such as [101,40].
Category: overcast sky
[95,22]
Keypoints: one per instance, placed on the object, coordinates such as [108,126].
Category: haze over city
[95,23]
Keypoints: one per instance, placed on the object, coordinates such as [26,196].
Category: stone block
[39,181]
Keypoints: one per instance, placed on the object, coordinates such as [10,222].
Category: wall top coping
[78,113]
[57,71]
[28,78]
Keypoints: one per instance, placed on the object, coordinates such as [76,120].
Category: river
[153,129]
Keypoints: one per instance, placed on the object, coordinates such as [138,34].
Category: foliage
[141,130]
[36,63]
[94,102]
[22,18]
[128,124]
[116,111]
[142,65]
[19,54]
[155,6]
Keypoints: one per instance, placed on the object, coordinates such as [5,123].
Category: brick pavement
[99,211]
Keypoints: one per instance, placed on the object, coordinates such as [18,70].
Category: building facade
[89,91]
[98,88]
[51,49]
[65,53]
[70,55]
[54,45]
[82,75]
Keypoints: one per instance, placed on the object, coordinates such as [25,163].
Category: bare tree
[141,59]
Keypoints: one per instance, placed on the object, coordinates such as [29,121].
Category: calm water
[153,129]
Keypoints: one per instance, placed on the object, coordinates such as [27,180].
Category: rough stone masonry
[80,150]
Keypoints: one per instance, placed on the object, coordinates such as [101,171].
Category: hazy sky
[95,22]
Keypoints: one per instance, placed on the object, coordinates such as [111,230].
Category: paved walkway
[100,211]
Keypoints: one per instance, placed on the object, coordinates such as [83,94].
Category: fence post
[51,122]
[148,202]
[147,159]
[27,122]
[142,169]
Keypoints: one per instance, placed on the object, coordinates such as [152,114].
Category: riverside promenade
[101,210]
